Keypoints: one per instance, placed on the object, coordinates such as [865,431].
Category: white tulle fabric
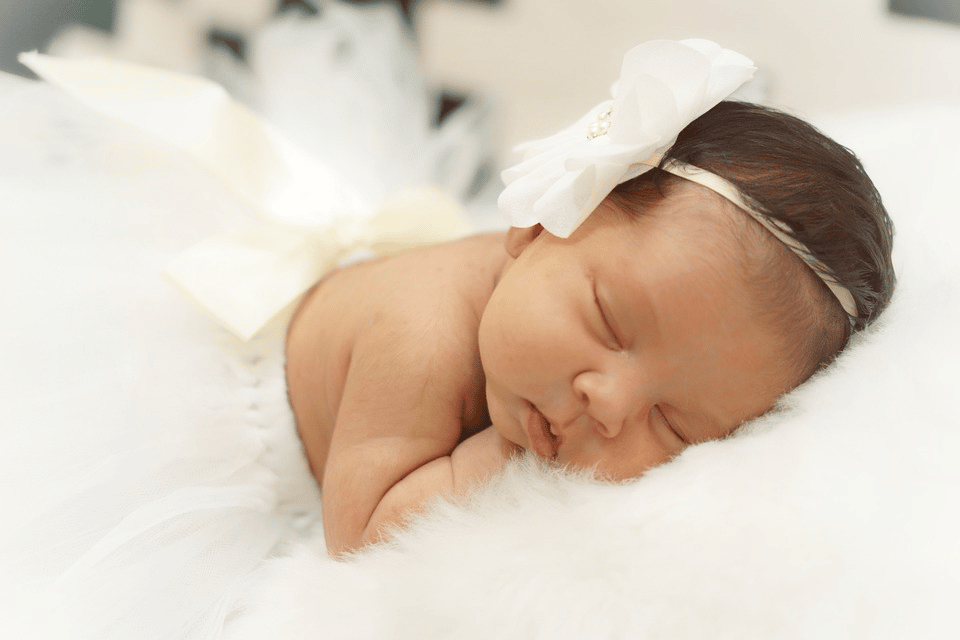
[312,217]
[664,85]
[148,460]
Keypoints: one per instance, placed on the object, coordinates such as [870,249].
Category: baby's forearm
[470,464]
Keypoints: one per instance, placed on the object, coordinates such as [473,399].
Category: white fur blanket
[837,517]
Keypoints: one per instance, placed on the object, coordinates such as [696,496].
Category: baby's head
[670,315]
[790,172]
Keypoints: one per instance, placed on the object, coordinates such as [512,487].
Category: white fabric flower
[664,85]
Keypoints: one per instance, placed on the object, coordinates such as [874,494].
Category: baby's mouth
[542,434]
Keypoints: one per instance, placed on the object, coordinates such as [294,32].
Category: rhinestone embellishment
[601,125]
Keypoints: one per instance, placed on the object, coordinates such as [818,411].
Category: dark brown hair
[787,169]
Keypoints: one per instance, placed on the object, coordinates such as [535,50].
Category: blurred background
[544,62]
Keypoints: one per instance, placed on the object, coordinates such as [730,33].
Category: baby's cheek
[630,458]
[485,342]
[502,407]
[496,339]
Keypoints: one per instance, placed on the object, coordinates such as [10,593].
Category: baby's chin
[508,446]
[511,449]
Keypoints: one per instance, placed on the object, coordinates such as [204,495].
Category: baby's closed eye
[674,432]
[606,320]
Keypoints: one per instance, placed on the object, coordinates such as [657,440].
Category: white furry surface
[837,517]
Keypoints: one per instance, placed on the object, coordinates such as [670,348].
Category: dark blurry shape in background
[26,25]
[947,10]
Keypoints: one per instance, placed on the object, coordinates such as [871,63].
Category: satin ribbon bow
[663,86]
[312,218]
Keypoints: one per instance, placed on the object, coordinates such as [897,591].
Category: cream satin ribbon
[312,218]
[247,277]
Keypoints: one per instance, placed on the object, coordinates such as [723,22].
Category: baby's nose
[607,399]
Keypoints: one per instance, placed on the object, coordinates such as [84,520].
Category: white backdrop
[548,61]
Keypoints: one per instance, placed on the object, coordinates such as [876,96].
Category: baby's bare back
[384,371]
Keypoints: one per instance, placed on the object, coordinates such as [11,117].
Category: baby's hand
[479,457]
[469,465]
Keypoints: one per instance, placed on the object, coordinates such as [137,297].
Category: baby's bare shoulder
[439,287]
[463,264]
[415,314]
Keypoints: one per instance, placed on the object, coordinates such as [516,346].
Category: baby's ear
[519,239]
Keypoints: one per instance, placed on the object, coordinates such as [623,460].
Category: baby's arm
[471,463]
[411,382]
[394,445]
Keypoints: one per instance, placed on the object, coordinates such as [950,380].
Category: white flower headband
[663,87]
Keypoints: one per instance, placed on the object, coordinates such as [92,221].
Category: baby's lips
[538,433]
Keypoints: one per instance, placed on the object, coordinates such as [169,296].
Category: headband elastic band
[780,230]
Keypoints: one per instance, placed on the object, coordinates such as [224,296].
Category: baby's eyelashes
[605,319]
[660,415]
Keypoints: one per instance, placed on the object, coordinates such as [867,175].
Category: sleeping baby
[676,263]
